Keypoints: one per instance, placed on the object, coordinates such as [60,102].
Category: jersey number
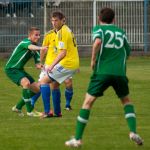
[114,37]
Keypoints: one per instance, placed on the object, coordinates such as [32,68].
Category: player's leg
[35,92]
[95,89]
[37,95]
[58,75]
[19,78]
[82,120]
[56,97]
[35,98]
[20,104]
[84,113]
[45,91]
[131,120]
[122,90]
[26,94]
[68,93]
[18,107]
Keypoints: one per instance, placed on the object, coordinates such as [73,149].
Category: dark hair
[33,29]
[58,14]
[106,15]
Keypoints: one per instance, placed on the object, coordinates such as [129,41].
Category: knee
[88,102]
[54,85]
[25,83]
[68,83]
[126,100]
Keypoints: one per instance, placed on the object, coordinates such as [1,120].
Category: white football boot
[73,143]
[136,138]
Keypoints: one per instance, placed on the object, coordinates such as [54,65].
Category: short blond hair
[33,29]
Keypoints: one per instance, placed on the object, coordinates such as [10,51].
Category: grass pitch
[107,128]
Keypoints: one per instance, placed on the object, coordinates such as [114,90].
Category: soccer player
[65,64]
[14,69]
[109,53]
[49,40]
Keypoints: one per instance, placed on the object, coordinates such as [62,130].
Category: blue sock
[45,91]
[56,101]
[68,96]
[35,98]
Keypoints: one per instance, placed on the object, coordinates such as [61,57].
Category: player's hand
[49,68]
[44,48]
[39,66]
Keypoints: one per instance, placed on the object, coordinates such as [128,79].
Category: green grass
[107,128]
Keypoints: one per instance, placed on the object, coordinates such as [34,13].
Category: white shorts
[58,73]
[42,74]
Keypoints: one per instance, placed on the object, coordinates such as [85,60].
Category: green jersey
[111,58]
[21,55]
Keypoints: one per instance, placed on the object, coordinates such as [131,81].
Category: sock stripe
[69,90]
[129,115]
[26,99]
[82,120]
[45,85]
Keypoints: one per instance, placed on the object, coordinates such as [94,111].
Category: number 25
[118,37]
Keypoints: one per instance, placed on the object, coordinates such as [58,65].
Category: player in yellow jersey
[65,64]
[49,40]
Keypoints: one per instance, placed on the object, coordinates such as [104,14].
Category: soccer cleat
[73,143]
[136,138]
[68,108]
[14,109]
[59,115]
[47,115]
[34,114]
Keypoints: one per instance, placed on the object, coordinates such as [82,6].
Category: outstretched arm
[35,47]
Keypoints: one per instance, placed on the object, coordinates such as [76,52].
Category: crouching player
[14,69]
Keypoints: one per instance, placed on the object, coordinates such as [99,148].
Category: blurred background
[17,16]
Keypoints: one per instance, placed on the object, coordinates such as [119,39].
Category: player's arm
[42,55]
[59,57]
[38,64]
[35,47]
[95,48]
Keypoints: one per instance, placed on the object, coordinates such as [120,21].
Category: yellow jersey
[49,40]
[65,40]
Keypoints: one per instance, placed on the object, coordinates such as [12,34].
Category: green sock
[130,117]
[32,93]
[27,99]
[82,119]
[20,104]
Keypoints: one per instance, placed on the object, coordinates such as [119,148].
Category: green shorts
[99,83]
[16,75]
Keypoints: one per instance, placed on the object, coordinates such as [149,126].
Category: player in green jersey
[109,53]
[14,69]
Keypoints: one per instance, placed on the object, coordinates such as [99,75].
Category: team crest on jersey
[61,45]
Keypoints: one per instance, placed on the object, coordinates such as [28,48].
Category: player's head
[57,20]
[34,34]
[106,15]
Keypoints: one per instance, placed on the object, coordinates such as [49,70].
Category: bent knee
[25,83]
[88,102]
